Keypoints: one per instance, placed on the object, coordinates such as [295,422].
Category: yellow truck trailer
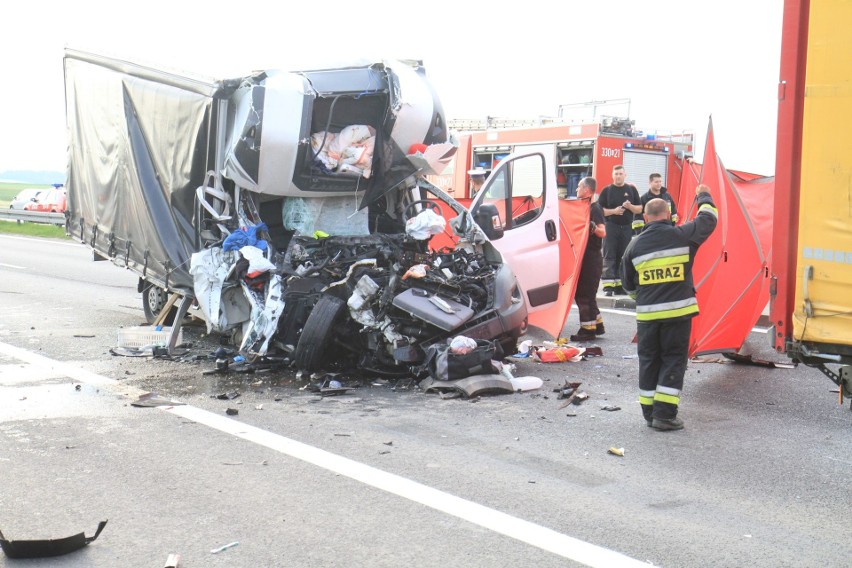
[811,293]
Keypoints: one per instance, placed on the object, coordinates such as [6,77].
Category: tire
[154,299]
[316,333]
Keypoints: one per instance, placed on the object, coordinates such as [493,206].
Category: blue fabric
[245,237]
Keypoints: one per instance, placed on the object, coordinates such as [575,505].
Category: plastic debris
[224,547]
[559,354]
[47,548]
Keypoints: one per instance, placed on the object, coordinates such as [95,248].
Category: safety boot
[583,335]
[599,328]
[664,424]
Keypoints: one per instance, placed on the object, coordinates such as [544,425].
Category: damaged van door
[539,235]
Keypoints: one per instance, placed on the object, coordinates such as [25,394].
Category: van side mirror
[488,219]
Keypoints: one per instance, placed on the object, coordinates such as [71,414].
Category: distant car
[25,196]
[49,201]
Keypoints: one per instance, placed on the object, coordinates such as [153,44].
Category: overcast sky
[679,62]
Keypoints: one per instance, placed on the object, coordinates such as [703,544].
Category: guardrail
[32,216]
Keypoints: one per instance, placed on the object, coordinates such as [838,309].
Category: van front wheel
[154,300]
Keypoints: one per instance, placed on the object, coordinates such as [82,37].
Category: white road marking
[45,241]
[486,517]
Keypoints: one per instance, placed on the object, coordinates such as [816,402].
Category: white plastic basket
[141,336]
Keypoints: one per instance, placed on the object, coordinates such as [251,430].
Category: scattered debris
[559,354]
[172,561]
[228,395]
[258,407]
[593,351]
[224,547]
[526,383]
[470,387]
[749,360]
[634,356]
[152,399]
[610,407]
[231,411]
[83,336]
[47,548]
[616,451]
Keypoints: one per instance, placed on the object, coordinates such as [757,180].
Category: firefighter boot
[599,328]
[663,424]
[583,335]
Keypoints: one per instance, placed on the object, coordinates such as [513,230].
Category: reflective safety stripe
[707,208]
[668,390]
[646,397]
[660,397]
[667,310]
[677,251]
[637,224]
[662,261]
[664,314]
[592,323]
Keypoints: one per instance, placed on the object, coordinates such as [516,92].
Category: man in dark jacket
[619,201]
[655,190]
[657,271]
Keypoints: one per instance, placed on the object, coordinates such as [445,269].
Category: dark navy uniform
[591,322]
[657,271]
[618,232]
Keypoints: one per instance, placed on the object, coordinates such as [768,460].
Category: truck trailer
[811,304]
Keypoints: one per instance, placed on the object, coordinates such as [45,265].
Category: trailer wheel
[317,331]
[154,299]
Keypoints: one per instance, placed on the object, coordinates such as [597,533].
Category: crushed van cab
[289,206]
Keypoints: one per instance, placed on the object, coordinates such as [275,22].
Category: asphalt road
[387,475]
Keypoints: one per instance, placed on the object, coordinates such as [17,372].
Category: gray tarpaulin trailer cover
[171,176]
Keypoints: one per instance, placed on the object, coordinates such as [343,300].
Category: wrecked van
[289,207]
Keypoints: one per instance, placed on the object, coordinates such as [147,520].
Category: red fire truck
[580,149]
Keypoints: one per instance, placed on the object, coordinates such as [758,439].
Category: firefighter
[591,322]
[655,189]
[477,179]
[657,271]
[619,201]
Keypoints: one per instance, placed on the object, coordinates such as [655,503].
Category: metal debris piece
[152,399]
[228,395]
